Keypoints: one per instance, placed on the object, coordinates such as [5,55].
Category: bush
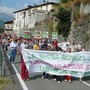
[64,21]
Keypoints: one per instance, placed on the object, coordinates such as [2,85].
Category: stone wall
[80,29]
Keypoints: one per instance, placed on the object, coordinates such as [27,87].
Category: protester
[36,46]
[68,77]
[24,71]
[82,49]
[13,50]
[44,47]
[79,46]
[31,43]
[39,45]
[55,44]
[73,47]
[4,43]
[48,49]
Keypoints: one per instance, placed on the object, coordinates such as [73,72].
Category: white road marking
[86,83]
[19,77]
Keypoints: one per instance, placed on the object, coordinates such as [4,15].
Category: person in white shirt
[13,50]
[23,45]
[24,70]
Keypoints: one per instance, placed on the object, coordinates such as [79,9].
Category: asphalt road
[37,83]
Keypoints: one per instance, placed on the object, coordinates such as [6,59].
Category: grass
[3,82]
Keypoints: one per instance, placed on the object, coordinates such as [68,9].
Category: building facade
[27,18]
[8,27]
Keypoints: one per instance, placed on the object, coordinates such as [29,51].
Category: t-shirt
[44,47]
[36,47]
[13,45]
[23,46]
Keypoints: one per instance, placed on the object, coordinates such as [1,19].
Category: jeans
[12,55]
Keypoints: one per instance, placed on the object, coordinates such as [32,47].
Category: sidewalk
[6,82]
[10,81]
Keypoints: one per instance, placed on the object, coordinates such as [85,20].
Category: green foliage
[52,10]
[50,26]
[64,21]
[64,1]
[1,30]
[77,3]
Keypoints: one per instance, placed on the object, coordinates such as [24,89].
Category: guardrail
[2,62]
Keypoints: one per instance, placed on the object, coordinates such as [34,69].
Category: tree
[64,1]
[64,21]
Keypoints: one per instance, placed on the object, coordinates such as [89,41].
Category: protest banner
[20,33]
[76,64]
[45,34]
[54,35]
[26,34]
[37,34]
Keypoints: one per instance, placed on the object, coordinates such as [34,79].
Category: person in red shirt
[55,44]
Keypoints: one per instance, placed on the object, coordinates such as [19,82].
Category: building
[25,19]
[8,26]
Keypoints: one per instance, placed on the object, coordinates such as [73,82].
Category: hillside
[74,21]
[80,27]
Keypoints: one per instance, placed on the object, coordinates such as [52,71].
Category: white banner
[76,64]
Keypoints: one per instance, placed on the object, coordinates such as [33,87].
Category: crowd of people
[16,44]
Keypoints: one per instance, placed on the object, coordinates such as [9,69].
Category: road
[37,83]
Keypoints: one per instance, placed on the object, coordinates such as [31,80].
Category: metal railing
[2,62]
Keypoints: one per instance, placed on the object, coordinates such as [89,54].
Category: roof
[36,6]
[8,22]
[23,9]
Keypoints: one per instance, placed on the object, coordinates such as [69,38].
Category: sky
[9,6]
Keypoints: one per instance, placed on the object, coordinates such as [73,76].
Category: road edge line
[19,77]
[86,83]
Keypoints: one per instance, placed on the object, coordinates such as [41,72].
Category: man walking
[13,50]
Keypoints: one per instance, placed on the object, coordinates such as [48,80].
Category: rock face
[80,29]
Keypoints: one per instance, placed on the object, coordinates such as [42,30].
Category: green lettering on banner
[66,71]
[87,73]
[48,69]
[30,57]
[73,58]
[77,58]
[65,57]
[55,69]
[73,73]
[50,57]
[42,68]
